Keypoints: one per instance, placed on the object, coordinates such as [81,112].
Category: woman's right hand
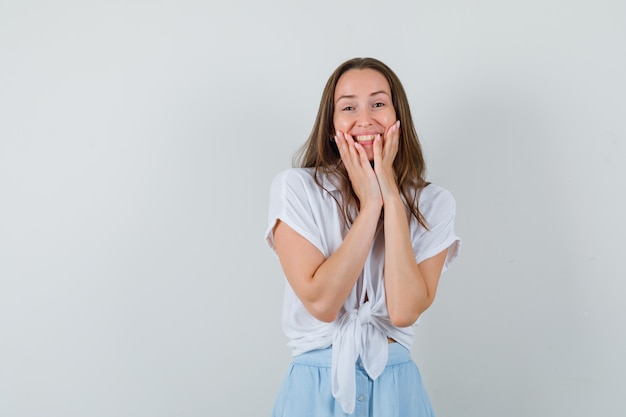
[360,171]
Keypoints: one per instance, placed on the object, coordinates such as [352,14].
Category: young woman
[362,239]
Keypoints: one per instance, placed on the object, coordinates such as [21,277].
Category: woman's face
[363,106]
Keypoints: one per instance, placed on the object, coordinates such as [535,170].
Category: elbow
[403,319]
[326,318]
[323,312]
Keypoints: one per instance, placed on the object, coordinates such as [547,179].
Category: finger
[393,132]
[363,159]
[352,146]
[342,145]
[378,150]
[391,142]
[349,155]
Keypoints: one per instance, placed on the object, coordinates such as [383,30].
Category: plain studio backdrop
[138,141]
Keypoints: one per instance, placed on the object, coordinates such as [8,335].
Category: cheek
[340,123]
[388,118]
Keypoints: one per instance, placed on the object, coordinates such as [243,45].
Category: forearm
[333,281]
[406,290]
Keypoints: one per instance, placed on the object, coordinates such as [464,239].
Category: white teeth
[365,138]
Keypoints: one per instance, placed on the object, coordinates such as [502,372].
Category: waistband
[322,357]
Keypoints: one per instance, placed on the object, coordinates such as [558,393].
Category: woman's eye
[348,108]
[379,104]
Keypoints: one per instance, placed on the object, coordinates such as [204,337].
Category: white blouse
[362,327]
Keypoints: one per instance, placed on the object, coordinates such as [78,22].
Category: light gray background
[137,144]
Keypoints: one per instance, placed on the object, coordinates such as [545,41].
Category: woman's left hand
[385,151]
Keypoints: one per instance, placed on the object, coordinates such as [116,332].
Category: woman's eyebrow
[349,96]
[380,92]
[345,96]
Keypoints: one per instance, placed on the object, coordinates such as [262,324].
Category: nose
[363,117]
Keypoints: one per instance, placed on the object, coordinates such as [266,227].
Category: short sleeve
[291,196]
[439,209]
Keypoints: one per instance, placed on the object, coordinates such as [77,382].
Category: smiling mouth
[365,138]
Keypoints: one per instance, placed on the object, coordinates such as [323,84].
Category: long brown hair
[321,153]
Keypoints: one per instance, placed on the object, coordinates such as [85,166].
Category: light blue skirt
[397,392]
